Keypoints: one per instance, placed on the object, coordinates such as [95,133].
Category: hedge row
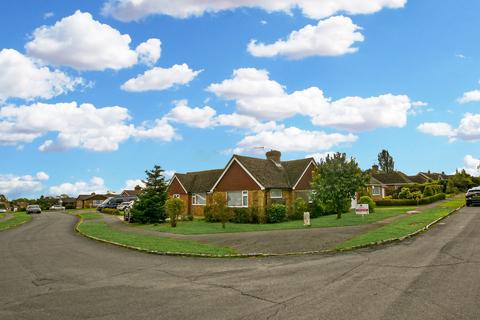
[410,202]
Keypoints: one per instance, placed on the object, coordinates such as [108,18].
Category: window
[276,194]
[237,199]
[96,203]
[176,196]
[199,199]
[376,190]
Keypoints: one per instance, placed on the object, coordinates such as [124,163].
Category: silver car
[34,208]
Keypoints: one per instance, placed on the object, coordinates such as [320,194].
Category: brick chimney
[138,188]
[274,155]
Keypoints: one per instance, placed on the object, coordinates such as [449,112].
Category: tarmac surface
[47,271]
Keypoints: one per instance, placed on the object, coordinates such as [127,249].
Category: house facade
[85,201]
[246,182]
[132,193]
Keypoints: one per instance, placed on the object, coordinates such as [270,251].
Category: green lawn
[2,215]
[348,219]
[90,215]
[404,226]
[100,230]
[18,219]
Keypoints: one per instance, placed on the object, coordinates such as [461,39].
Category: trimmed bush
[369,201]
[428,191]
[410,202]
[242,215]
[258,215]
[316,209]
[299,207]
[174,208]
[115,212]
[437,197]
[276,213]
[208,213]
[405,193]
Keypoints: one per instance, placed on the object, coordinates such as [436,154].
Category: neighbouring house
[246,182]
[68,203]
[91,200]
[132,193]
[381,182]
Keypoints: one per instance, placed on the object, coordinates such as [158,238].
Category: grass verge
[99,230]
[403,227]
[18,219]
[348,219]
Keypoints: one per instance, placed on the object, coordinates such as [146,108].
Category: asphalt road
[49,272]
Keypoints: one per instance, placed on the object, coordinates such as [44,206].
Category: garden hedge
[410,202]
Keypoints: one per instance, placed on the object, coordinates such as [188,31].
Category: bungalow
[91,200]
[132,193]
[382,182]
[246,182]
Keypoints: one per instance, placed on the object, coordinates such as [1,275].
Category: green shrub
[276,213]
[410,202]
[417,195]
[174,208]
[369,201]
[437,197]
[115,212]
[428,191]
[316,209]
[405,193]
[388,198]
[258,215]
[299,207]
[242,215]
[208,213]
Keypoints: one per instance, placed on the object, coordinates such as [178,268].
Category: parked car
[124,205]
[33,208]
[113,202]
[473,196]
[57,207]
[2,210]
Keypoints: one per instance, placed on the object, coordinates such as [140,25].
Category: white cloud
[471,165]
[161,78]
[48,15]
[470,96]
[96,184]
[20,77]
[193,117]
[245,122]
[14,186]
[334,36]
[320,156]
[132,183]
[293,139]
[42,176]
[419,104]
[128,10]
[436,128]
[460,56]
[257,95]
[77,126]
[149,51]
[80,42]
[168,174]
[468,130]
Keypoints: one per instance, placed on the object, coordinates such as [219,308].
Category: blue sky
[191,87]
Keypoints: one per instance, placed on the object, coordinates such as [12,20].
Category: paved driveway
[49,272]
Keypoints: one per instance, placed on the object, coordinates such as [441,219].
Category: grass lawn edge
[390,240]
[22,221]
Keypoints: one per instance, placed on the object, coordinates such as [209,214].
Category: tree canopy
[335,182]
[385,161]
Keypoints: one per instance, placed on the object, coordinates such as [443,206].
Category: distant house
[132,193]
[91,200]
[246,182]
[381,182]
[69,203]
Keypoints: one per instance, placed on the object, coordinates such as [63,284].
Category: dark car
[473,196]
[113,202]
[34,208]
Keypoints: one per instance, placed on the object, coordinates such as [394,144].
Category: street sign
[362,209]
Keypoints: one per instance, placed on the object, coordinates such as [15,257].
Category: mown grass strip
[403,227]
[18,219]
[90,215]
[99,230]
[348,219]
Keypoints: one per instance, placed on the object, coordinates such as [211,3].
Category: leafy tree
[150,206]
[219,208]
[385,161]
[3,198]
[174,208]
[462,180]
[336,180]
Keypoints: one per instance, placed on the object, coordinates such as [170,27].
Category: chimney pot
[274,155]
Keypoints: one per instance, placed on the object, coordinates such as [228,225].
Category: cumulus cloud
[468,130]
[470,96]
[14,186]
[80,42]
[256,95]
[161,78]
[471,165]
[95,184]
[130,184]
[193,117]
[334,36]
[77,126]
[149,51]
[293,139]
[20,77]
[128,10]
